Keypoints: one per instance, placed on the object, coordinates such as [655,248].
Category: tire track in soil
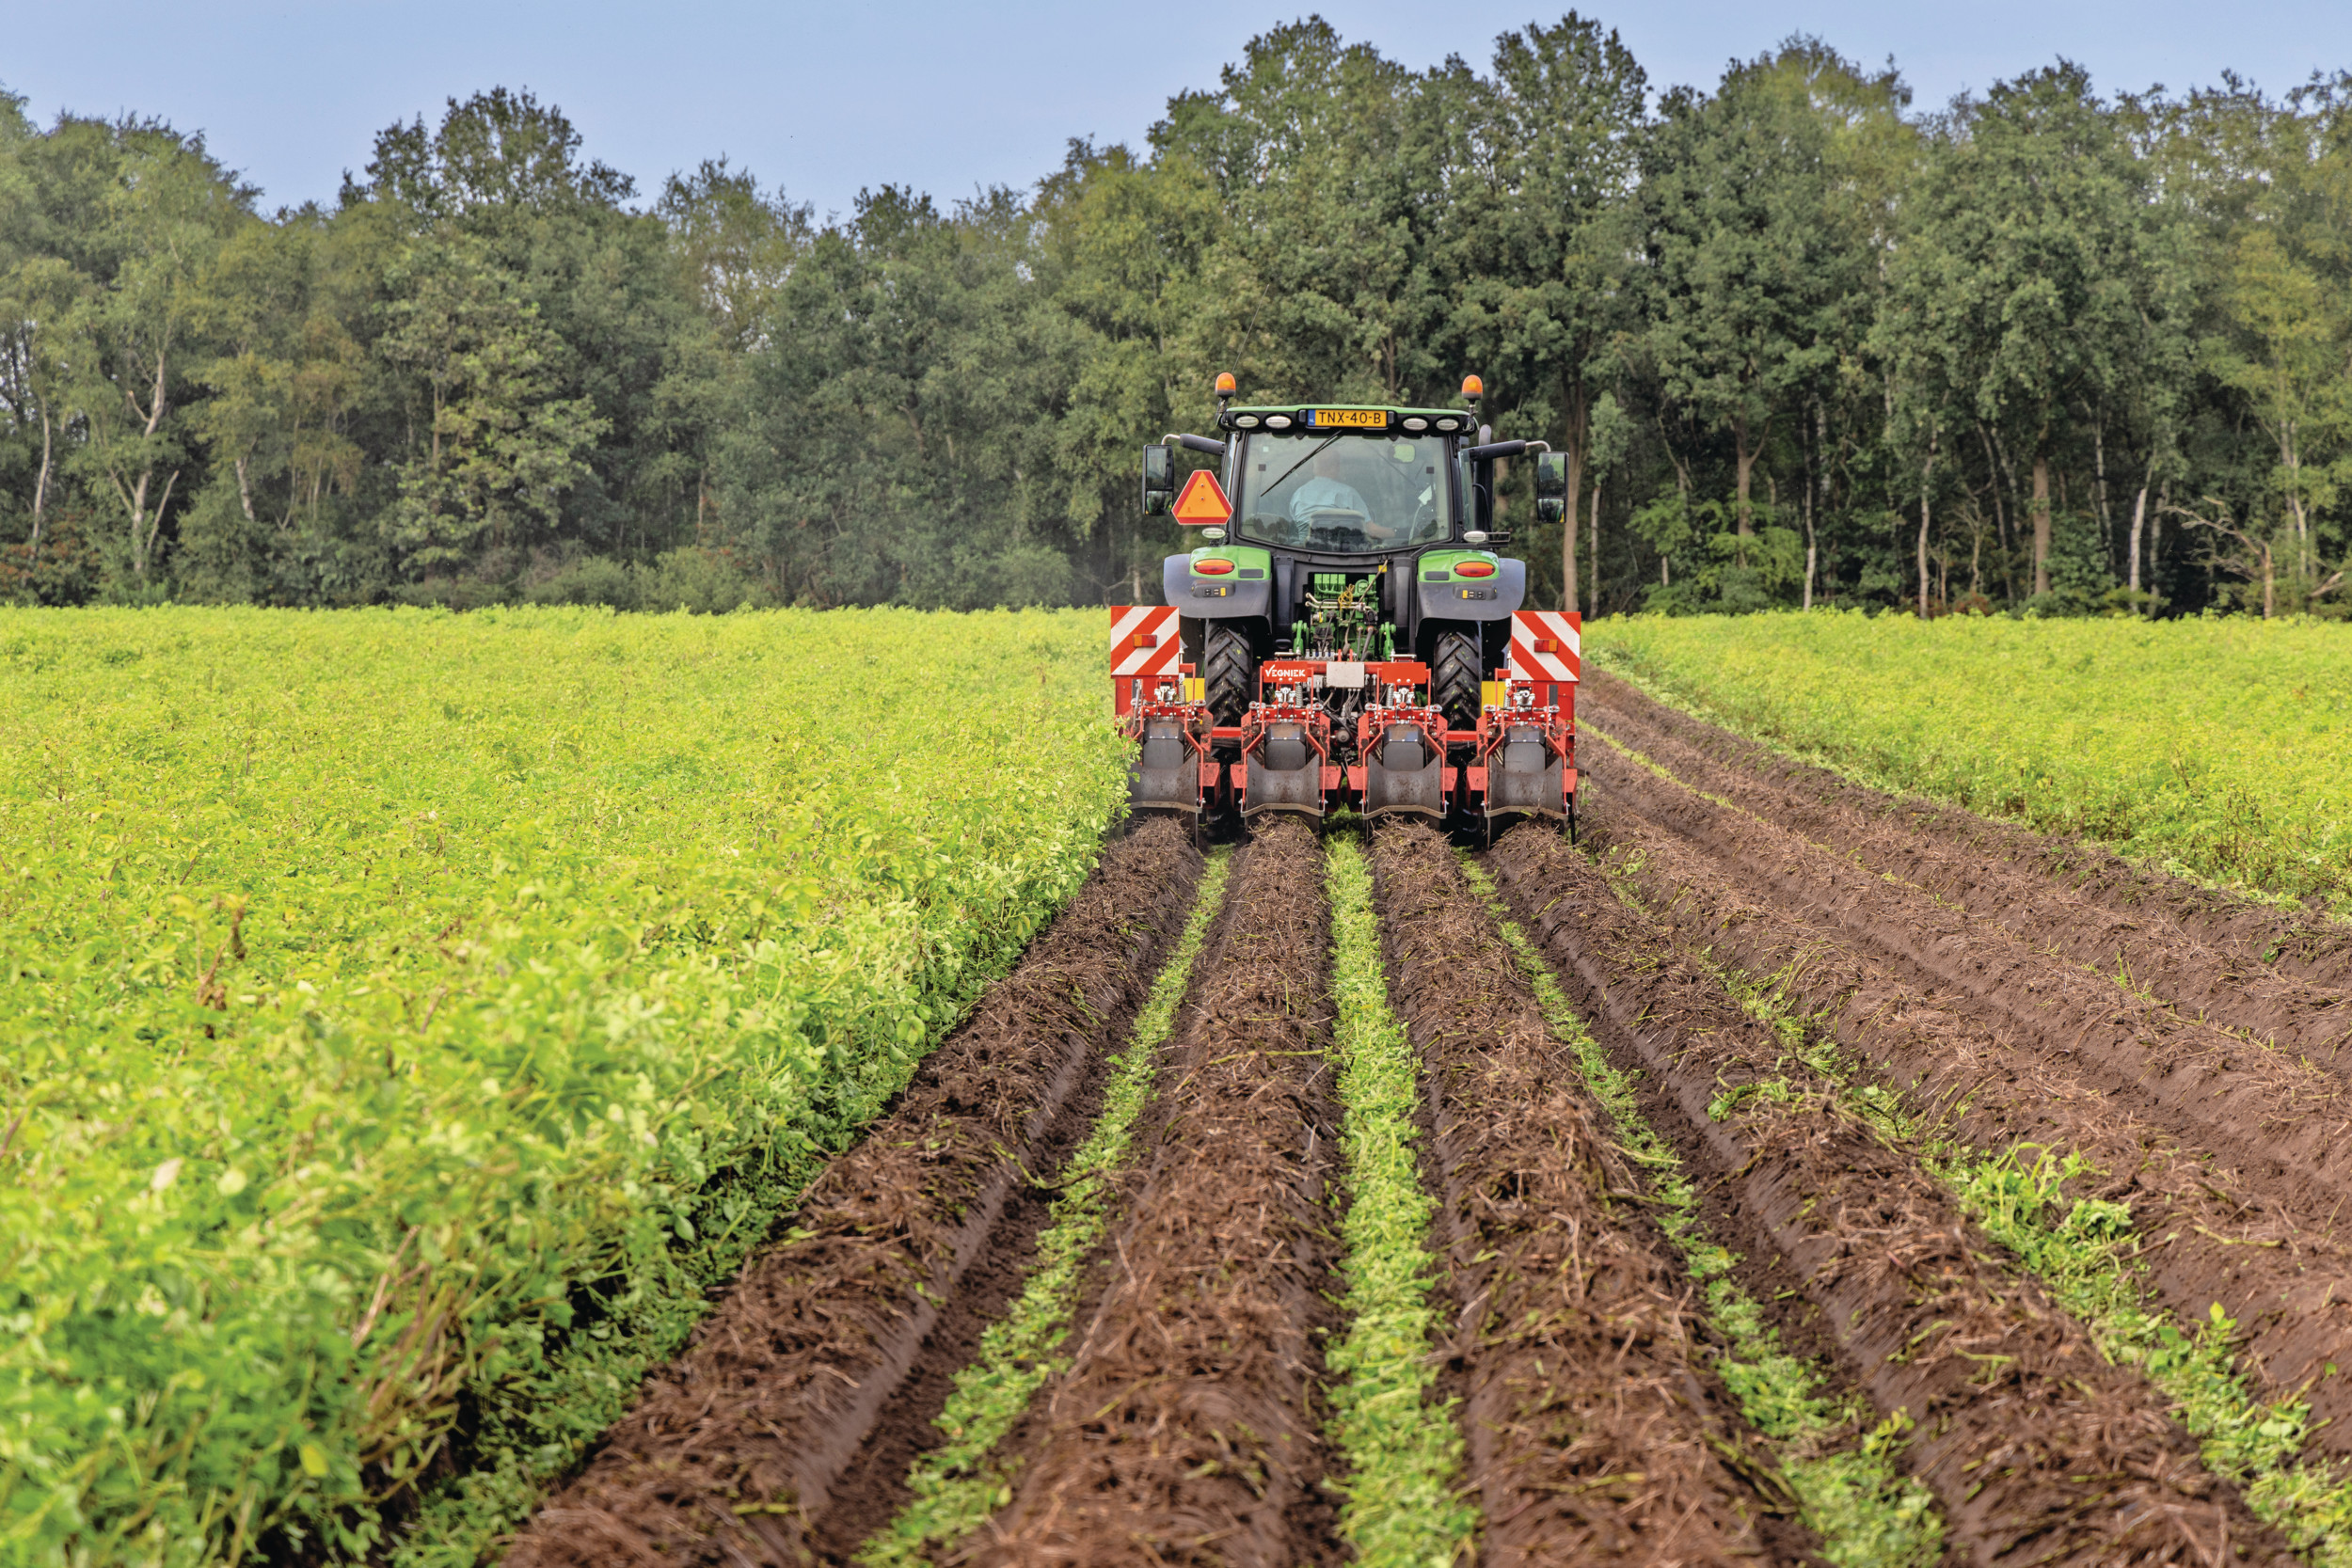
[2002,867]
[785,1431]
[2225,980]
[2276,1263]
[1188,1426]
[2284,1121]
[2037,1450]
[1596,1429]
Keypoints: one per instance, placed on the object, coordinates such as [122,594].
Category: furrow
[1188,1426]
[2227,980]
[1970,858]
[2038,1450]
[2277,1117]
[951,1489]
[2269,1254]
[1598,1432]
[827,1359]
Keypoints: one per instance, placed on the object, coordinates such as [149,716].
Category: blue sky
[825,99]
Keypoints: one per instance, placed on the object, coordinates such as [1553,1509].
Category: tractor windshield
[1342,492]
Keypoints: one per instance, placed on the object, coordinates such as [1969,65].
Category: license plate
[1348,418]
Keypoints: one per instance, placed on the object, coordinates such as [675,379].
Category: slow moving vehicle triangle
[1203,502]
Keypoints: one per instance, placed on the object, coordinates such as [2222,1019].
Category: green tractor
[1348,622]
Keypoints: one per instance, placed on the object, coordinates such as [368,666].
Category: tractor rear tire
[1454,676]
[1229,669]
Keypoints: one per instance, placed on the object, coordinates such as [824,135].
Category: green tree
[1535,252]
[496,454]
[1747,276]
[166,213]
[2038,225]
[1329,162]
[1125,241]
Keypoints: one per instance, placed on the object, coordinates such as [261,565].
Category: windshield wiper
[1296,467]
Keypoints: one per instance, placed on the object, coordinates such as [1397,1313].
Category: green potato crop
[2217,745]
[408,1015]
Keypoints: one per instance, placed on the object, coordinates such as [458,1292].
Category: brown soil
[2278,1118]
[1188,1429]
[2039,1451]
[2283,974]
[2272,1259]
[1597,1430]
[777,1434]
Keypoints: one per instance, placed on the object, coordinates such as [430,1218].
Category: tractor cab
[1342,628]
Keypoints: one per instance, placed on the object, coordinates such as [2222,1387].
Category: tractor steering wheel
[1325,524]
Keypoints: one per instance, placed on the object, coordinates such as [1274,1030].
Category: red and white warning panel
[1546,647]
[1143,645]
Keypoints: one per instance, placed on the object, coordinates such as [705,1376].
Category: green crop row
[954,1487]
[1841,1466]
[2089,1254]
[1401,1447]
[407,1014]
[2217,746]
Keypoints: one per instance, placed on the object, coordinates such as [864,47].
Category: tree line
[2041,349]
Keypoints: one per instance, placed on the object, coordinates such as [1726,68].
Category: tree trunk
[1576,443]
[1812,486]
[2004,486]
[244,489]
[1567,556]
[2040,524]
[2140,517]
[2270,591]
[2099,462]
[40,484]
[1745,457]
[1596,545]
[1927,472]
[2292,461]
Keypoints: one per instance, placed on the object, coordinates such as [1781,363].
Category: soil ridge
[1188,1426]
[2271,1258]
[2264,1109]
[2036,1447]
[1980,853]
[1596,1428]
[734,1452]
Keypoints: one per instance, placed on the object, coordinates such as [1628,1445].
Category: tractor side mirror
[1551,485]
[1159,479]
[1552,474]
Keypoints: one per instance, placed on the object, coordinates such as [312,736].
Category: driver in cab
[1326,492]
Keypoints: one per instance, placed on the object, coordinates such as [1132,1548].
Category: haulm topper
[1346,634]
